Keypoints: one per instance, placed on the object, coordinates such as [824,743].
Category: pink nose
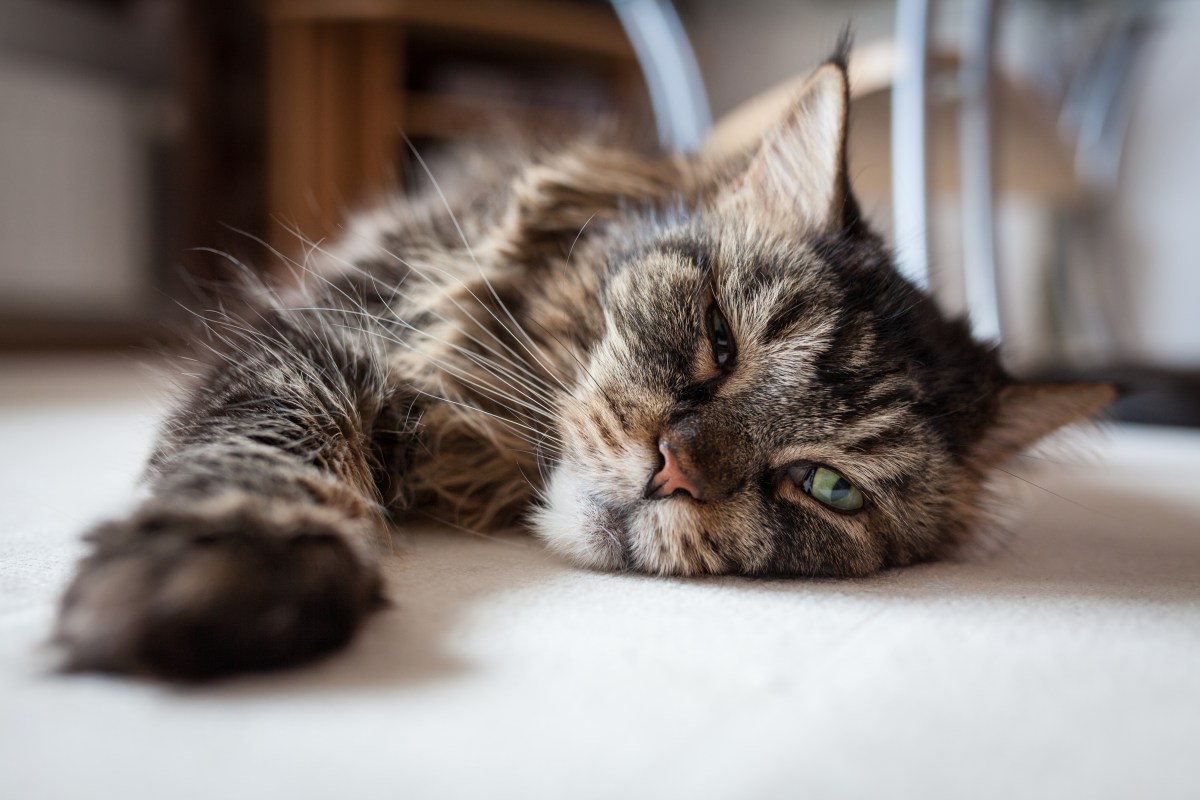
[671,478]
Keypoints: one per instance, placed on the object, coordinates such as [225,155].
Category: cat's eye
[827,486]
[723,346]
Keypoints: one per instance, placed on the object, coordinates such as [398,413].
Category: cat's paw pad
[189,594]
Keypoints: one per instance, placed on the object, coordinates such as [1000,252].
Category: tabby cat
[674,366]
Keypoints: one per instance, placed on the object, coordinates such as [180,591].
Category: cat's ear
[1028,412]
[799,170]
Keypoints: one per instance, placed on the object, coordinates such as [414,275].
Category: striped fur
[512,347]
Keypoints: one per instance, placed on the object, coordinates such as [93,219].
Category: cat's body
[678,367]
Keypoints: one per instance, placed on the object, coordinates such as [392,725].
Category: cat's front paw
[198,591]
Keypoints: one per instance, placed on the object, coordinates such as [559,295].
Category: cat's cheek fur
[575,524]
[670,537]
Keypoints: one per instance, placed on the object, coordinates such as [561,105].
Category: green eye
[832,489]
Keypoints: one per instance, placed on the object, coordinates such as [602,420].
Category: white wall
[74,173]
[73,194]
[1159,204]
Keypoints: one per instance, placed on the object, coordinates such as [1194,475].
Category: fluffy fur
[537,345]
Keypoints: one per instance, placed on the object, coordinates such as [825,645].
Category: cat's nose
[672,477]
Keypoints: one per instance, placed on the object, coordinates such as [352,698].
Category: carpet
[1058,660]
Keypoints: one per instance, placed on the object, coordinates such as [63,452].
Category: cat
[667,365]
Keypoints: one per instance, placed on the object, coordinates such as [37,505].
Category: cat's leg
[258,546]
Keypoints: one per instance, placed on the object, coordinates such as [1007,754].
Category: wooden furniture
[343,89]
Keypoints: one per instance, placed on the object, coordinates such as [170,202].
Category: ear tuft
[799,171]
[1028,412]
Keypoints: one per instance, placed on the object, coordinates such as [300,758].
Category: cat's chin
[574,522]
[597,532]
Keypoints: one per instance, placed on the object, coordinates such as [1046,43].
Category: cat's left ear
[1028,412]
[799,171]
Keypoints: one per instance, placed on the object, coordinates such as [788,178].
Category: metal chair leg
[910,163]
[672,76]
[976,161]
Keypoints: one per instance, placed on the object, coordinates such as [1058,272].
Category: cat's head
[769,396]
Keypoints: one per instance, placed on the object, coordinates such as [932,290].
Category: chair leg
[976,168]
[910,163]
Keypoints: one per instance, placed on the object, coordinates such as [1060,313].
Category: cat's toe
[198,602]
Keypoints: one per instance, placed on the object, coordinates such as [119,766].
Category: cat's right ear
[798,172]
[1028,412]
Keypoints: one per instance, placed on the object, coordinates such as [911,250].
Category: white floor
[1064,662]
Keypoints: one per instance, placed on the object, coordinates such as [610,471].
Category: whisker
[469,407]
[515,360]
[386,322]
[454,219]
[575,241]
[1096,511]
[542,407]
[480,534]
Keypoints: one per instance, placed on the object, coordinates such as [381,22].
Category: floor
[1059,660]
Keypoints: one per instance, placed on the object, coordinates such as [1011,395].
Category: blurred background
[146,146]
